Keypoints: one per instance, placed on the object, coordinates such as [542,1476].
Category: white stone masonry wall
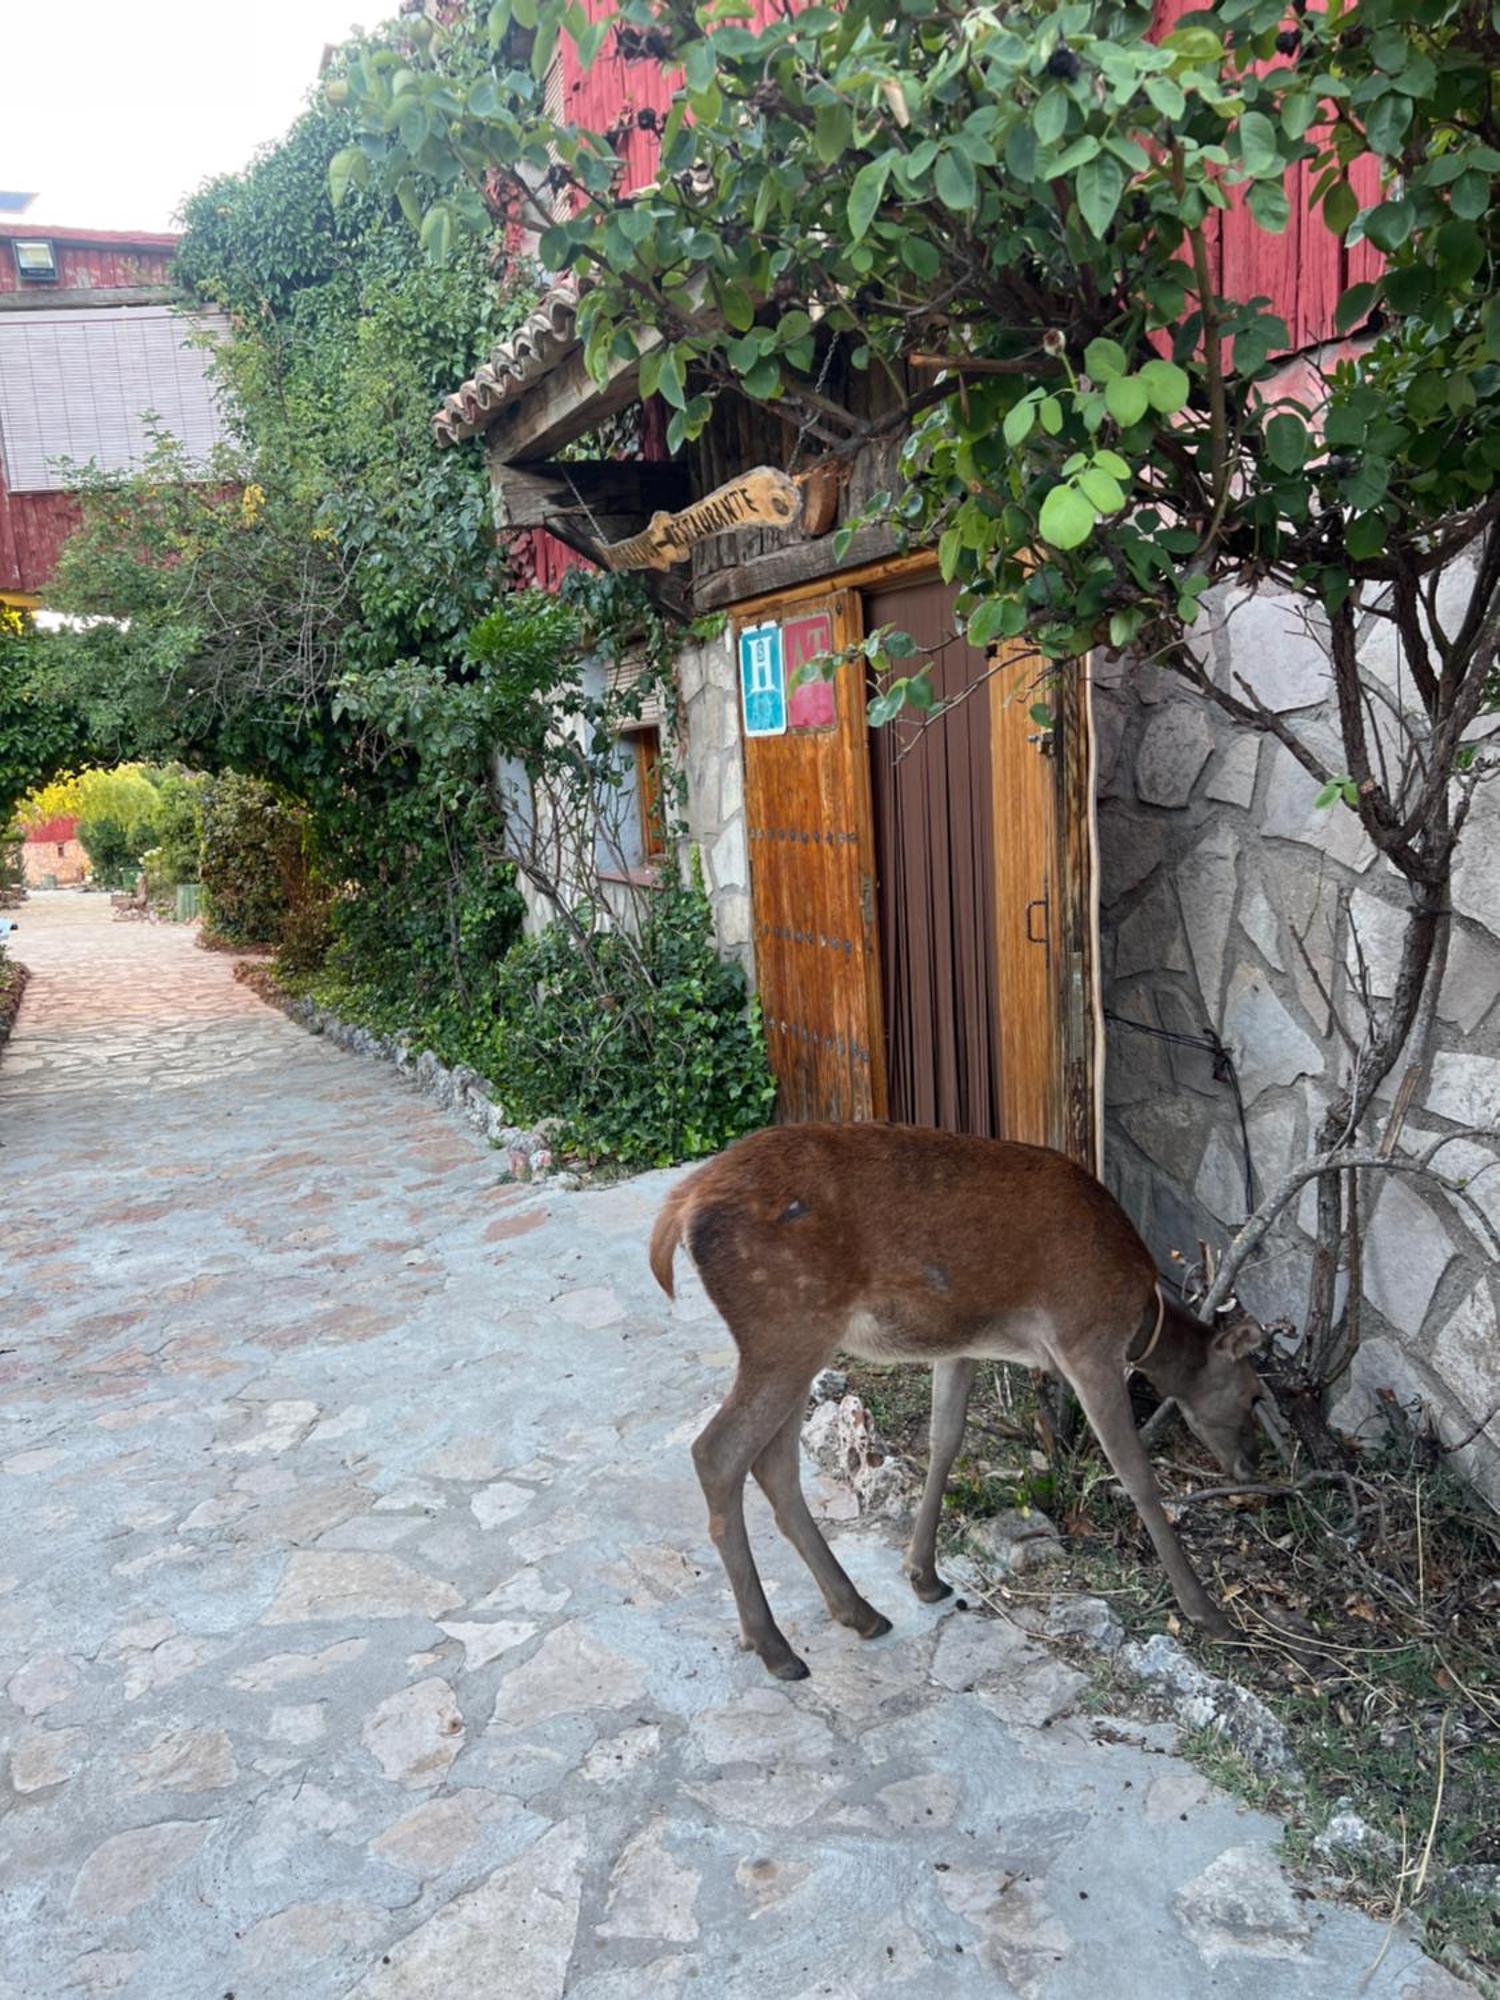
[1221,882]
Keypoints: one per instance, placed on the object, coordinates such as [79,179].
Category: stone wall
[709,744]
[707,752]
[1231,902]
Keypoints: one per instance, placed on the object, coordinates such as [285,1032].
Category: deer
[899,1244]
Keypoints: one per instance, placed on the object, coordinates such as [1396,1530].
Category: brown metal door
[935,842]
[812,876]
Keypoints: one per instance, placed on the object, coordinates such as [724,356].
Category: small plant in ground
[649,1051]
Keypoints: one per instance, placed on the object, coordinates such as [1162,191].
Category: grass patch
[1367,1615]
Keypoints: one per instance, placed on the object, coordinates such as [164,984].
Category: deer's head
[1219,1393]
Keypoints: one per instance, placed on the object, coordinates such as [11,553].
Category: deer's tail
[668,1233]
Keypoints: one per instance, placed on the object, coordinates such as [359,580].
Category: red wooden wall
[1303,271]
[34,526]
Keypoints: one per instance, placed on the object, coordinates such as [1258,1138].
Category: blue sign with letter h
[763,681]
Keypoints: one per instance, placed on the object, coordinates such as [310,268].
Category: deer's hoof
[875,1626]
[788,1669]
[1213,1623]
[931,1589]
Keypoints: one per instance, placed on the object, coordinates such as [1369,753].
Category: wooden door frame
[1076,988]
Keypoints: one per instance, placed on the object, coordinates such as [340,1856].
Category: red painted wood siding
[1305,269]
[34,526]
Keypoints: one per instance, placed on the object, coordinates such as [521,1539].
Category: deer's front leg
[951,1383]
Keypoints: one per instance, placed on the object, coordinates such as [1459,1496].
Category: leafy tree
[41,732]
[1008,215]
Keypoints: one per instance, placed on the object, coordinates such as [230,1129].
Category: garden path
[360,1634]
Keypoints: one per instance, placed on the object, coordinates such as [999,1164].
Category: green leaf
[1051,414]
[669,382]
[1167,386]
[1127,400]
[1049,117]
[1083,149]
[737,306]
[866,193]
[1166,96]
[700,63]
[1340,206]
[1019,419]
[1099,186]
[987,623]
[1471,196]
[1389,224]
[1112,462]
[1102,488]
[1270,205]
[955,181]
[1354,306]
[436,234]
[1386,122]
[1103,360]
[1041,714]
[1258,148]
[347,168]
[950,548]
[1067,518]
[1286,441]
[832,131]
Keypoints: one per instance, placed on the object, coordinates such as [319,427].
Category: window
[36,260]
[648,792]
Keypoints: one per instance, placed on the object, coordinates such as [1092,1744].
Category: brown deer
[899,1244]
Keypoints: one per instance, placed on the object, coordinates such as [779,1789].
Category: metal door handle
[1038,903]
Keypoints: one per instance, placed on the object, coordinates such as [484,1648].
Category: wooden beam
[785,569]
[559,407]
[585,490]
[52,298]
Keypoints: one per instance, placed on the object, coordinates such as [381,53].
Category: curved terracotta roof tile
[523,357]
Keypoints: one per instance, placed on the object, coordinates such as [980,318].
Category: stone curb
[528,1151]
[843,1440]
[10,997]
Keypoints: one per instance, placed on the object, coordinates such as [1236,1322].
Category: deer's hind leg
[752,1414]
[951,1383]
[779,1473]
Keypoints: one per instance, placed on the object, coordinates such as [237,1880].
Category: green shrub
[179,829]
[114,848]
[648,1054]
[254,865]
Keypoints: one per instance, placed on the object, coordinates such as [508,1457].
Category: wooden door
[985,892]
[812,868]
[935,843]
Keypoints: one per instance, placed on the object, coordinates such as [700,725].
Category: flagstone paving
[360,1632]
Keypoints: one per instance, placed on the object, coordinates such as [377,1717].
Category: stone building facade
[1233,904]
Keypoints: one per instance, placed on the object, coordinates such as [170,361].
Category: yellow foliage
[124,794]
[251,502]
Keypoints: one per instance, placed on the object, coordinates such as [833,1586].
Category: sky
[112,113]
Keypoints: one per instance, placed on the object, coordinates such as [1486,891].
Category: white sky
[111,113]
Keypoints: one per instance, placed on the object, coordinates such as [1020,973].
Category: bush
[179,830]
[113,847]
[648,1054]
[254,867]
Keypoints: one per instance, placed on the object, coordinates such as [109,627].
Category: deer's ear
[1240,1338]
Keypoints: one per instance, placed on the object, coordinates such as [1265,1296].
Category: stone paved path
[360,1634]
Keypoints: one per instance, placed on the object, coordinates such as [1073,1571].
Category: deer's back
[918,1243]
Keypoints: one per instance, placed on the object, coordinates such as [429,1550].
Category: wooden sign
[764,498]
